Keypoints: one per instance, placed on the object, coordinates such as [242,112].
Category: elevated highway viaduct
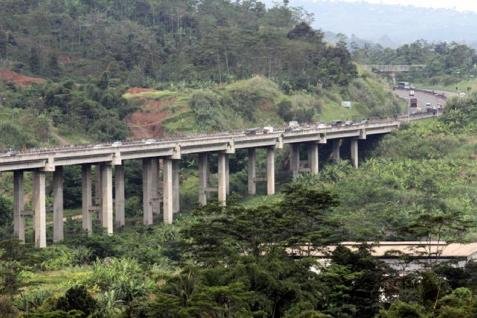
[161,171]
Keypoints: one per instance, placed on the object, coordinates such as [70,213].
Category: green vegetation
[220,65]
[212,65]
[259,101]
[445,64]
[238,261]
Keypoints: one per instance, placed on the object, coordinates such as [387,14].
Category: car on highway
[267,130]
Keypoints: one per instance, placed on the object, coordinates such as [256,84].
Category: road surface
[422,98]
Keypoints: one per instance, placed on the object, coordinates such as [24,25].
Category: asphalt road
[422,98]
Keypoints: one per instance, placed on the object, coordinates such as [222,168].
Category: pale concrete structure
[176,185]
[313,158]
[87,199]
[159,183]
[354,152]
[119,196]
[39,205]
[335,152]
[252,171]
[19,206]
[167,192]
[203,178]
[295,159]
[107,197]
[58,211]
[148,181]
[270,171]
[222,178]
[106,155]
[97,192]
[155,186]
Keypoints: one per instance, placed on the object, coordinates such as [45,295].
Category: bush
[7,309]
[77,298]
[123,276]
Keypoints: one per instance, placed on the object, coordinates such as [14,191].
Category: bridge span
[161,171]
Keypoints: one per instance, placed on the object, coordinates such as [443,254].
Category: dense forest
[185,40]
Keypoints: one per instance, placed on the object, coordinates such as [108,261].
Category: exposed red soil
[138,90]
[147,123]
[19,79]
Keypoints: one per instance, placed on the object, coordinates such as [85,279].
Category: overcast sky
[462,5]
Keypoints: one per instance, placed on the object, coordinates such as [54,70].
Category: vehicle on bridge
[404,85]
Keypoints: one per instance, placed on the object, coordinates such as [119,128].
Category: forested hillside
[70,64]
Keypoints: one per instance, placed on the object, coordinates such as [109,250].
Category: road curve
[423,97]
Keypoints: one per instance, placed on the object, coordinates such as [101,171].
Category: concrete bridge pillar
[159,184]
[147,190]
[222,178]
[354,152]
[252,171]
[19,206]
[313,158]
[58,210]
[203,178]
[155,186]
[167,191]
[176,185]
[97,190]
[107,197]
[271,171]
[39,205]
[87,199]
[335,153]
[119,197]
[295,159]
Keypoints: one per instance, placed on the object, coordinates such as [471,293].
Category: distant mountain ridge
[391,25]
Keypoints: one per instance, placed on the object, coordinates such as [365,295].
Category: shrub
[77,298]
[123,276]
[7,309]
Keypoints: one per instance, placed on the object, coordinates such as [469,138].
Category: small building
[405,256]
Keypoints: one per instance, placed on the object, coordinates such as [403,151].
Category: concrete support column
[313,158]
[119,197]
[58,211]
[354,152]
[87,199]
[252,171]
[203,178]
[270,171]
[295,160]
[19,206]
[107,197]
[176,185]
[222,178]
[167,190]
[335,154]
[155,186]
[39,204]
[97,190]
[227,182]
[147,191]
[158,183]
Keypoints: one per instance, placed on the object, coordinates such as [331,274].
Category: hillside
[253,102]
[215,65]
